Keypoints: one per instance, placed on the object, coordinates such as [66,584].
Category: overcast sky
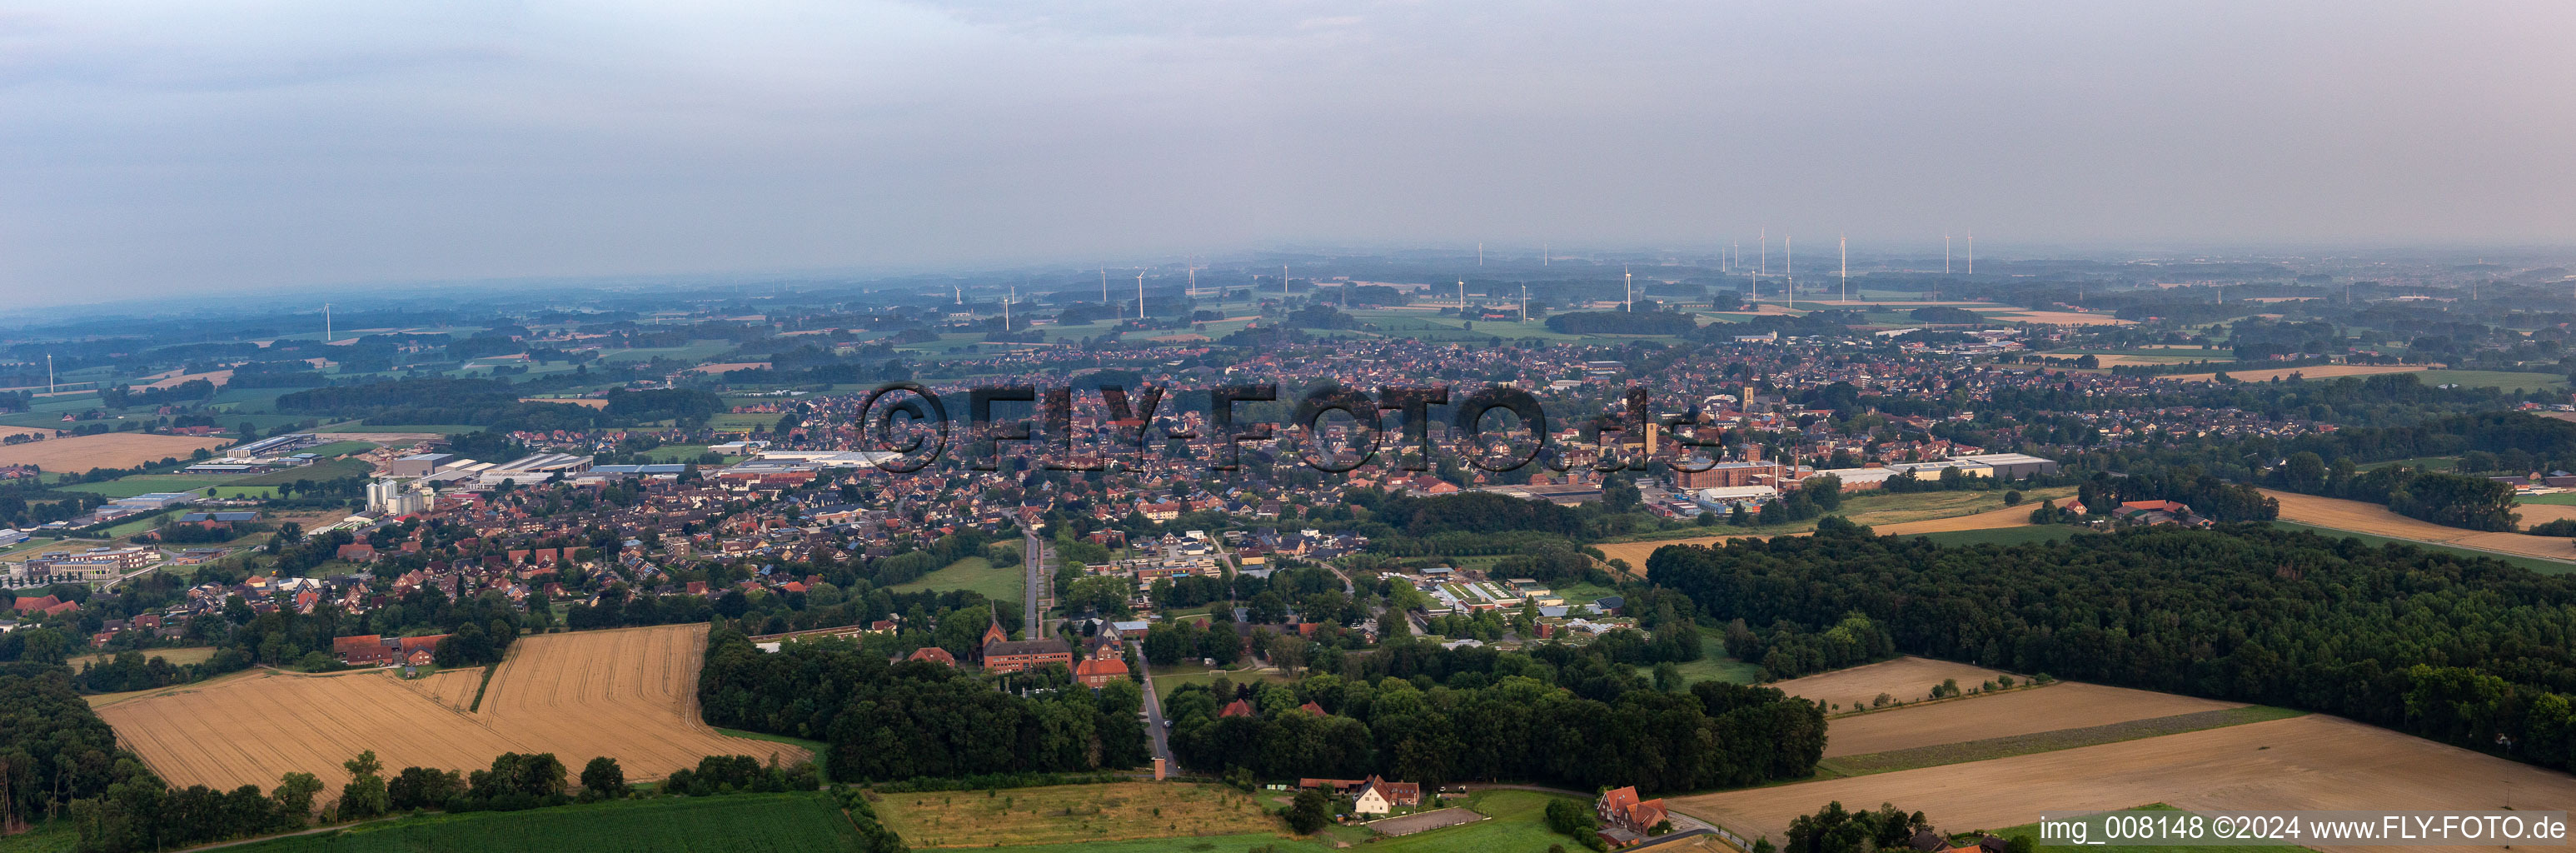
[191,146]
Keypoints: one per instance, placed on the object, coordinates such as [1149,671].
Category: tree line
[1555,716]
[886,721]
[2468,651]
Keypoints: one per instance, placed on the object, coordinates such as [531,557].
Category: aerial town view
[1395,427]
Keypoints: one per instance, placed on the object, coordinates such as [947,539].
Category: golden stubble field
[1907,679]
[104,450]
[629,694]
[2302,763]
[2063,705]
[2012,516]
[2376,520]
[2322,371]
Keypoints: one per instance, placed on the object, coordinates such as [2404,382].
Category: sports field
[629,694]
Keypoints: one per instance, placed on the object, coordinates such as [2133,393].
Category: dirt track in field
[1906,679]
[2321,371]
[2310,762]
[104,450]
[2376,520]
[629,694]
[2065,705]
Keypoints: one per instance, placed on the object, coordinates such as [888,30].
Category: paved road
[1154,730]
[1033,557]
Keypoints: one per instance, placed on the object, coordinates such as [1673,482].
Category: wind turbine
[1972,251]
[1524,304]
[1104,285]
[1140,297]
[1789,267]
[1945,253]
[1845,241]
[1632,286]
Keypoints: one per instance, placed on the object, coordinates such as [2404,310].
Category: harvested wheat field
[2322,371]
[2061,318]
[728,367]
[2012,516]
[629,694]
[2376,520]
[2064,705]
[591,402]
[104,450]
[453,688]
[174,379]
[2309,762]
[7,431]
[1907,678]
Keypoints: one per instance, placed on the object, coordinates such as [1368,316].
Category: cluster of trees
[1461,715]
[1785,651]
[2466,651]
[887,721]
[1834,829]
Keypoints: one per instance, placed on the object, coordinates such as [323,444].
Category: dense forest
[2467,651]
[892,722]
[1572,718]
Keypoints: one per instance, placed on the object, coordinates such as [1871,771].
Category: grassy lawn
[126,487]
[1169,678]
[2515,382]
[1075,814]
[1200,844]
[1519,825]
[2049,741]
[59,835]
[2001,535]
[1714,665]
[2560,499]
[787,823]
[442,429]
[316,472]
[176,657]
[2546,567]
[2427,463]
[344,448]
[973,573]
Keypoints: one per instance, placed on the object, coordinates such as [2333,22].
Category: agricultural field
[176,657]
[105,450]
[2064,705]
[2546,566]
[2318,371]
[2509,381]
[2006,746]
[1906,678]
[454,688]
[769,823]
[48,432]
[2344,515]
[627,693]
[2306,762]
[1070,814]
[1886,514]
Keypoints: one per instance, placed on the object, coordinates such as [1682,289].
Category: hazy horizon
[192,149]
